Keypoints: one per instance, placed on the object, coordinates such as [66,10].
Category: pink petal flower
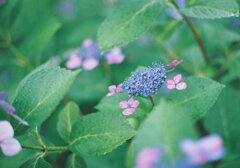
[204,150]
[213,147]
[115,56]
[112,88]
[177,78]
[110,94]
[74,62]
[90,64]
[181,86]
[119,88]
[128,111]
[135,104]
[123,104]
[148,158]
[6,131]
[10,147]
[87,42]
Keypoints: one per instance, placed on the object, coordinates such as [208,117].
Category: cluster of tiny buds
[146,82]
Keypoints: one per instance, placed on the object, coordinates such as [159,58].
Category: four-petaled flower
[8,108]
[207,149]
[176,83]
[148,158]
[9,145]
[113,89]
[129,106]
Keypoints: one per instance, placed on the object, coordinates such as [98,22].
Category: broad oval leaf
[128,23]
[75,161]
[199,97]
[39,93]
[213,9]
[66,119]
[100,133]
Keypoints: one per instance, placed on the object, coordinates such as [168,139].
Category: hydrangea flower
[89,55]
[174,63]
[113,89]
[176,83]
[9,145]
[205,150]
[8,108]
[115,56]
[129,106]
[148,158]
[173,12]
[2,2]
[146,82]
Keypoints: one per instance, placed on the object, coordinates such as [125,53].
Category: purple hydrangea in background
[8,108]
[113,89]
[148,158]
[173,12]
[129,106]
[145,82]
[67,9]
[2,2]
[9,145]
[205,150]
[89,55]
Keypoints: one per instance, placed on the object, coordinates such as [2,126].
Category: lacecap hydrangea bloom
[145,82]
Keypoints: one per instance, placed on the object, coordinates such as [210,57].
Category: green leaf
[213,9]
[38,162]
[164,128]
[224,118]
[39,93]
[100,133]
[75,161]
[128,23]
[199,97]
[67,117]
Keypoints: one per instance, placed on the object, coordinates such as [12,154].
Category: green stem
[45,148]
[152,101]
[195,33]
[107,70]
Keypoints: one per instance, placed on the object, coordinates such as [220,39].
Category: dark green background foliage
[69,109]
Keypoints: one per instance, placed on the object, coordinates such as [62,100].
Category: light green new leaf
[75,161]
[213,9]
[166,126]
[39,93]
[199,97]
[224,118]
[128,23]
[100,133]
[67,117]
[38,162]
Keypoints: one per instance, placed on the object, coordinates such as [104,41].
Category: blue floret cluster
[145,82]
